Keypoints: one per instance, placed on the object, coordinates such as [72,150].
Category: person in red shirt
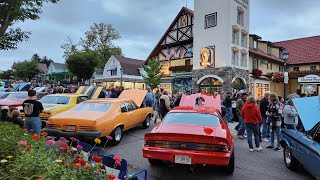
[252,118]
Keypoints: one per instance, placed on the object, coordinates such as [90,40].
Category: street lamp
[121,71]
[285,57]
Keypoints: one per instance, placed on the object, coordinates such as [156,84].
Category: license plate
[182,159]
[71,128]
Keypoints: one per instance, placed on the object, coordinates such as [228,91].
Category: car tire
[230,168]
[116,135]
[154,161]
[289,160]
[146,122]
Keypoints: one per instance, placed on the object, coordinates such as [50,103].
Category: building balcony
[181,69]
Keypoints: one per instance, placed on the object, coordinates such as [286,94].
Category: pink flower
[69,153]
[73,139]
[79,147]
[61,148]
[51,142]
[31,130]
[109,137]
[25,129]
[117,158]
[62,139]
[22,143]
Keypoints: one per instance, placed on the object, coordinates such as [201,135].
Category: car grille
[54,126]
[85,128]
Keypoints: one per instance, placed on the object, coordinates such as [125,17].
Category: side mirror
[123,109]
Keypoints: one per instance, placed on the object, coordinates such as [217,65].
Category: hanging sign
[309,79]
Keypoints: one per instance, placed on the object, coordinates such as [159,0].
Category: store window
[261,88]
[240,17]
[244,40]
[211,20]
[295,68]
[235,36]
[313,68]
[210,85]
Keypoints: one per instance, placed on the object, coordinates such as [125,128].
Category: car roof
[67,95]
[195,109]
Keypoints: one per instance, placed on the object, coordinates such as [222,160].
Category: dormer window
[269,50]
[255,44]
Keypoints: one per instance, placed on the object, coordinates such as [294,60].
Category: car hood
[136,95]
[189,130]
[308,110]
[10,102]
[78,115]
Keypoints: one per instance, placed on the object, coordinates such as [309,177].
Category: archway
[210,85]
[238,84]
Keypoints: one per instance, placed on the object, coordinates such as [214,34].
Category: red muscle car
[193,134]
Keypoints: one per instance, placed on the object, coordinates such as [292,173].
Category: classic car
[15,99]
[302,149]
[3,95]
[56,103]
[101,117]
[192,135]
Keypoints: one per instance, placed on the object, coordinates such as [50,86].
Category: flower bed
[27,156]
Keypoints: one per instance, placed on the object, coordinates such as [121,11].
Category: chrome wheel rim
[118,134]
[148,121]
[287,156]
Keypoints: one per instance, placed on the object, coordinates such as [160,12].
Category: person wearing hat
[290,113]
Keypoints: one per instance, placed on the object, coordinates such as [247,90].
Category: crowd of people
[263,119]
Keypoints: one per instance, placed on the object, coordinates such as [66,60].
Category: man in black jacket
[264,103]
[228,105]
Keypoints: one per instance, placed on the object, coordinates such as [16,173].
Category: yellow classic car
[56,103]
[99,118]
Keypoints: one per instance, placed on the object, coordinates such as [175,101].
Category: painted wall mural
[176,53]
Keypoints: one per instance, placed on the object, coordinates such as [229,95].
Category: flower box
[256,72]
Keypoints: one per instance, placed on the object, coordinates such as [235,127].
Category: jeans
[265,128]
[291,126]
[33,123]
[275,132]
[229,115]
[253,129]
[242,126]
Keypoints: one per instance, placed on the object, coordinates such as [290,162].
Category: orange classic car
[99,118]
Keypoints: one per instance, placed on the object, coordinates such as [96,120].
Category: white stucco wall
[219,36]
[111,64]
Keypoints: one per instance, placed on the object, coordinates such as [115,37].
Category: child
[15,118]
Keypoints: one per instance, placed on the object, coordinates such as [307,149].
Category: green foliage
[82,64]
[154,74]
[44,60]
[13,12]
[98,38]
[6,74]
[40,160]
[26,69]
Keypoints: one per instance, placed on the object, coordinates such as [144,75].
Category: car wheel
[146,122]
[116,135]
[289,160]
[154,161]
[230,168]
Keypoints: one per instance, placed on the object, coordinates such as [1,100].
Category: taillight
[152,143]
[217,148]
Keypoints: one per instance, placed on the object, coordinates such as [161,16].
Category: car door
[139,113]
[125,116]
[132,121]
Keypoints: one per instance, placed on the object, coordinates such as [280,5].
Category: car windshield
[18,96]
[55,100]
[93,106]
[192,119]
[3,95]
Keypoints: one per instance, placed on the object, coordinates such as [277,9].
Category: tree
[82,64]
[99,38]
[69,48]
[153,73]
[6,74]
[26,69]
[44,60]
[13,12]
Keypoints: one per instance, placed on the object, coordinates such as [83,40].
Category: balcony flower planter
[277,77]
[256,72]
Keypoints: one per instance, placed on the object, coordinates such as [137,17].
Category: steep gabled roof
[130,66]
[59,65]
[43,67]
[302,50]
[155,50]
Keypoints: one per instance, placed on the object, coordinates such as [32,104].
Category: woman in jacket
[290,113]
[164,104]
[252,118]
[275,113]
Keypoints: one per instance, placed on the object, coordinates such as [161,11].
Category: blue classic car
[302,149]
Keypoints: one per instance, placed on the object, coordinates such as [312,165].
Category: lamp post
[285,56]
[121,74]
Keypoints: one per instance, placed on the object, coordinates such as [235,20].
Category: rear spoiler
[208,100]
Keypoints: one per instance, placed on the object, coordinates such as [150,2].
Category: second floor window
[235,37]
[244,61]
[255,63]
[255,44]
[235,58]
[211,20]
[244,40]
[269,50]
[280,68]
[313,68]
[269,65]
[113,72]
[295,68]
[240,17]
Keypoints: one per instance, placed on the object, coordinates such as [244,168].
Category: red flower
[28,147]
[117,158]
[118,163]
[77,165]
[62,148]
[64,145]
[97,159]
[35,137]
[44,133]
[111,176]
[83,162]
[75,161]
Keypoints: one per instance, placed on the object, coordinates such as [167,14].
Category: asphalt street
[263,165]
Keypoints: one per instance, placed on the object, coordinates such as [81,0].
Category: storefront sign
[207,57]
[166,86]
[309,79]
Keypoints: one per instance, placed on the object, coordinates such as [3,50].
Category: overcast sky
[141,24]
